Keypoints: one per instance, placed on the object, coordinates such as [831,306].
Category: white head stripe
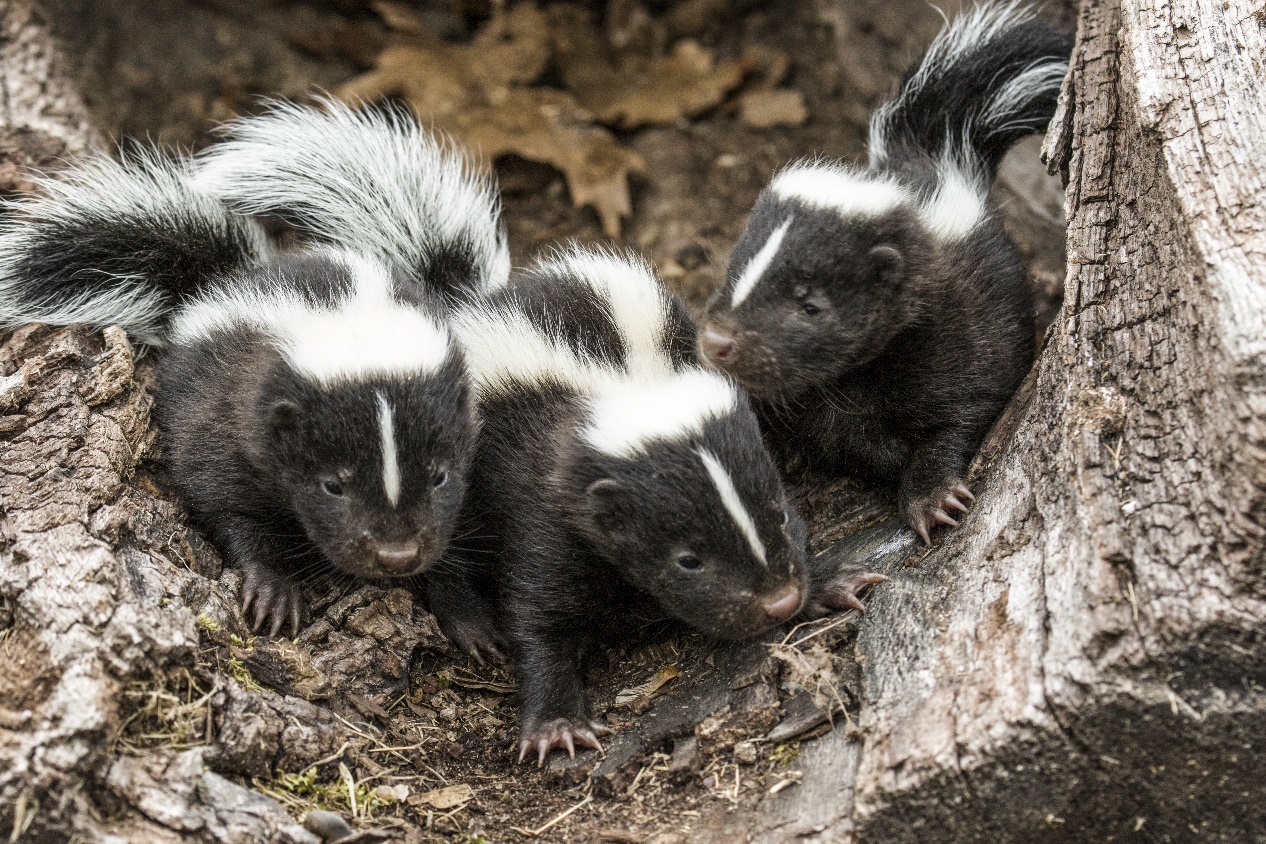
[390,459]
[759,263]
[833,187]
[733,504]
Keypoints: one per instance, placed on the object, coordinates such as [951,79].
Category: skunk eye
[441,478]
[809,309]
[333,488]
[689,562]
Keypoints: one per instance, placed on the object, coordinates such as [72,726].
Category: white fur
[959,38]
[630,406]
[960,201]
[835,187]
[758,264]
[390,459]
[625,420]
[369,181]
[147,189]
[1012,97]
[503,349]
[364,334]
[733,503]
[631,295]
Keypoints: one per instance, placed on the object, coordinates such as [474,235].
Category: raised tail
[369,181]
[118,242]
[989,78]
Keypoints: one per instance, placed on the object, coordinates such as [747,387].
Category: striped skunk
[610,467]
[315,407]
[879,316]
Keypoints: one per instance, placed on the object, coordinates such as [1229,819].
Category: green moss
[785,753]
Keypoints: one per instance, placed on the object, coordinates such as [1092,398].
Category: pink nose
[721,348]
[784,606]
[398,557]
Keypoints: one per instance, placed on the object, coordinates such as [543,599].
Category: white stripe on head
[390,459]
[733,503]
[843,190]
[629,416]
[959,203]
[758,264]
[364,334]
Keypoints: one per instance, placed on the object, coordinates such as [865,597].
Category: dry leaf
[448,797]
[631,90]
[474,92]
[650,687]
[764,109]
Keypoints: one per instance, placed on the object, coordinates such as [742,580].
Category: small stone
[685,755]
[330,826]
[745,753]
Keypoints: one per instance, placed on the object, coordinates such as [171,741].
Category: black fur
[872,345]
[283,471]
[565,536]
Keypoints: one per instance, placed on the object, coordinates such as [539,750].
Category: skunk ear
[284,418]
[889,264]
[608,501]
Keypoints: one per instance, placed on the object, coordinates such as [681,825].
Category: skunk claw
[925,513]
[842,593]
[272,600]
[561,733]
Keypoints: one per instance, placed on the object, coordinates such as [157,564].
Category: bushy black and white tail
[374,182]
[118,242]
[991,77]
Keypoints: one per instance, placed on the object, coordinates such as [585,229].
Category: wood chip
[641,692]
[448,797]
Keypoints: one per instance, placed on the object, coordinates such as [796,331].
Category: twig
[532,833]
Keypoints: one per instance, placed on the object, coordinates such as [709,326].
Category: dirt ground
[424,743]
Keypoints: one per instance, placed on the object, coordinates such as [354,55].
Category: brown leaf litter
[482,93]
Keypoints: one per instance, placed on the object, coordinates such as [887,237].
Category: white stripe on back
[759,264]
[390,459]
[958,205]
[733,504]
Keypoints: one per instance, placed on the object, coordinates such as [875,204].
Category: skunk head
[820,282]
[374,469]
[364,420]
[674,487]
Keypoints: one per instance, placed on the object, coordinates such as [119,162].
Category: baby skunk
[373,182]
[610,466]
[880,317]
[315,407]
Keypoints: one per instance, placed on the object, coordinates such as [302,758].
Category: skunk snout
[719,348]
[783,606]
[397,557]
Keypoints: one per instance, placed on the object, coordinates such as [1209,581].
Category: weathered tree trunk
[1084,659]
